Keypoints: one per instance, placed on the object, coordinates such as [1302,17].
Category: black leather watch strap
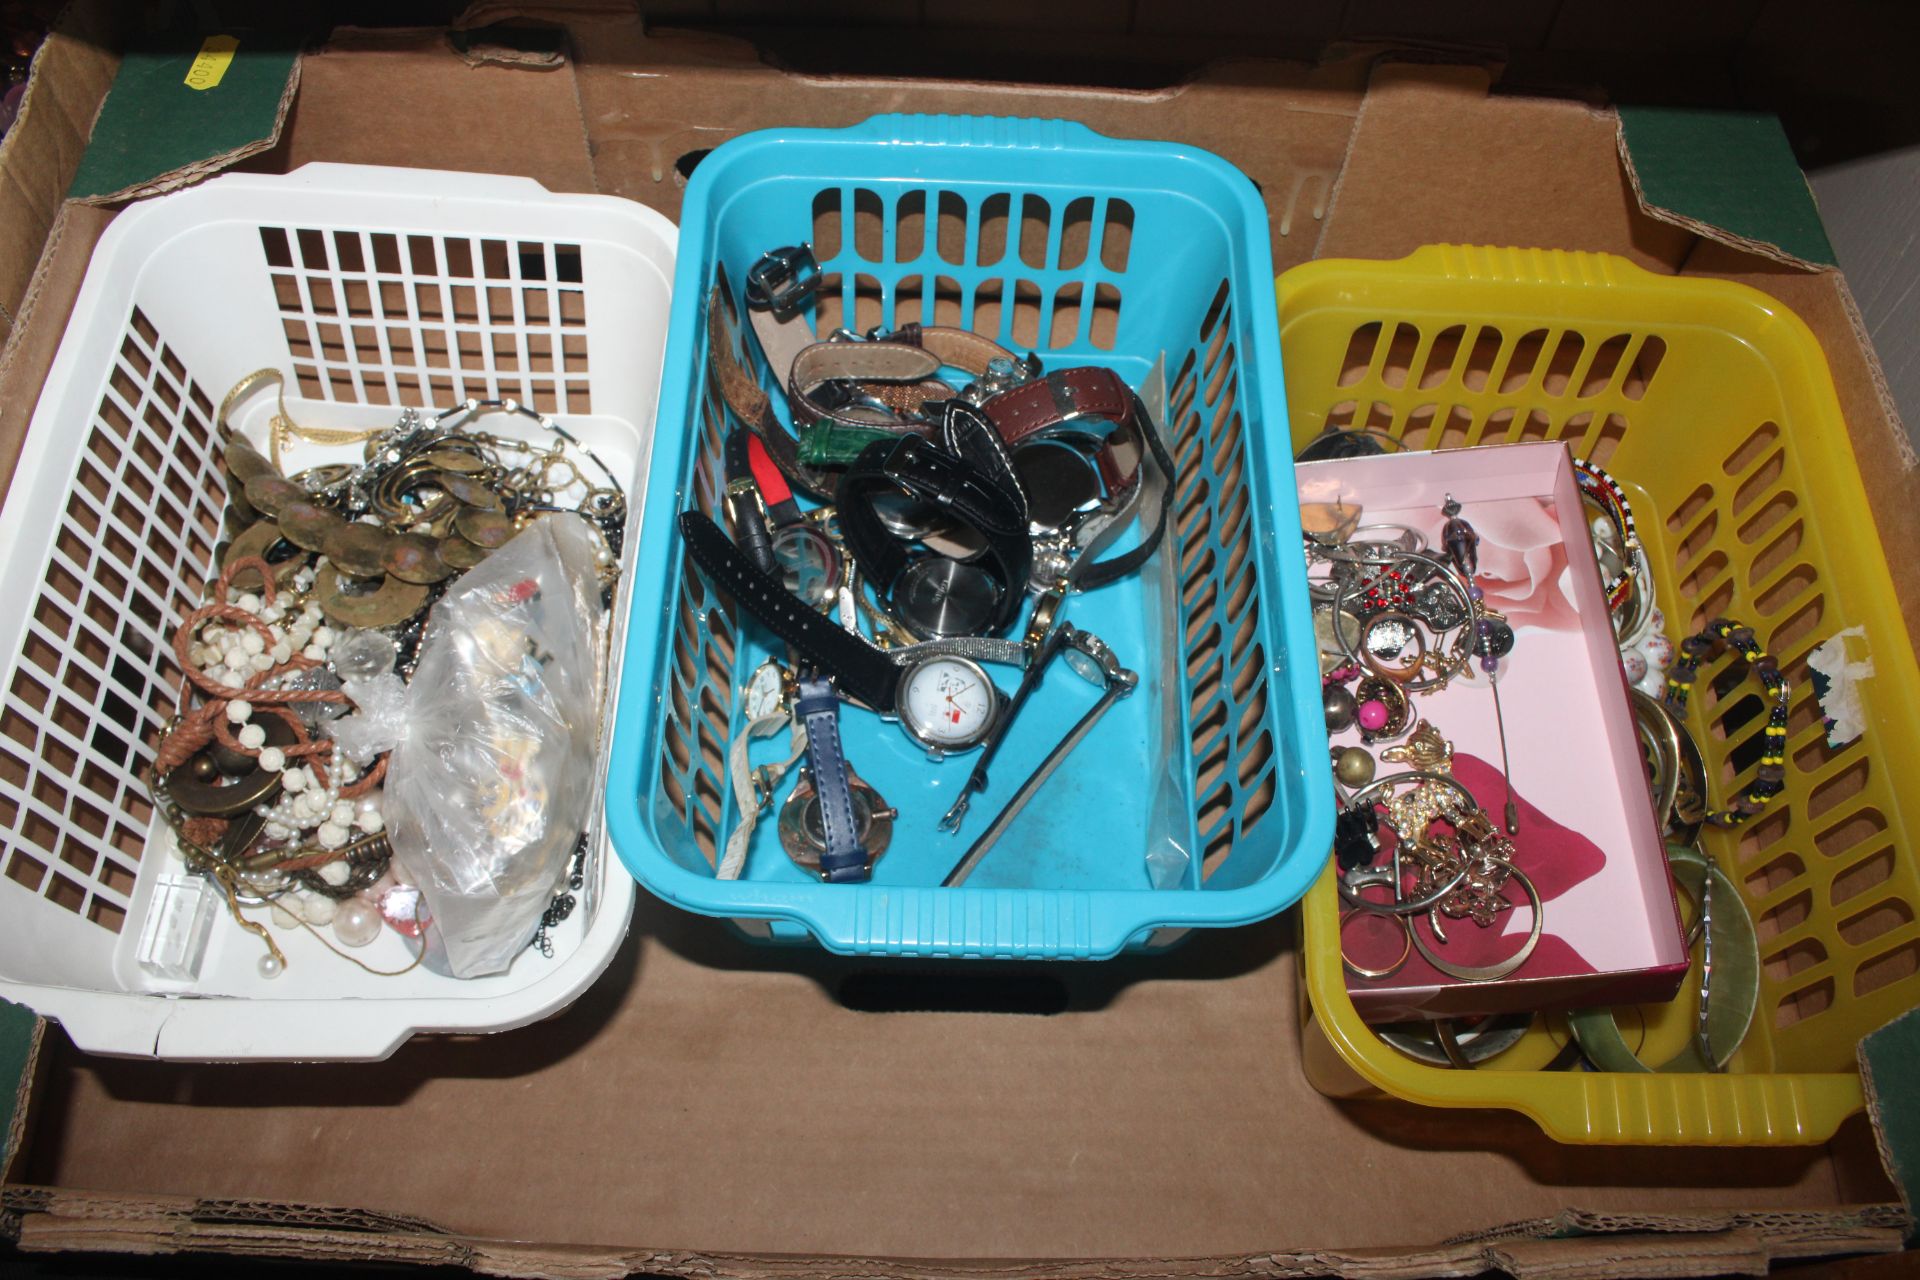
[818,706]
[976,498]
[859,668]
[1087,572]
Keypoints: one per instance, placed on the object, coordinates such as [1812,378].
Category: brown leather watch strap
[888,382]
[960,348]
[1085,391]
[749,403]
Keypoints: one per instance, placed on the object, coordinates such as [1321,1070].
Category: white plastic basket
[372,288]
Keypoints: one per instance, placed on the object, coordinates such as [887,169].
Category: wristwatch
[947,704]
[937,595]
[843,860]
[1049,421]
[859,669]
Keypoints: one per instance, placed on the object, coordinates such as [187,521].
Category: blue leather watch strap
[818,706]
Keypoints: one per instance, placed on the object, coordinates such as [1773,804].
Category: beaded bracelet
[1770,779]
[1605,492]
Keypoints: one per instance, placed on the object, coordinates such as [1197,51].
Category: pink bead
[1373,714]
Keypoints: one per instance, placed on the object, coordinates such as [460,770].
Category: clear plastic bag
[490,788]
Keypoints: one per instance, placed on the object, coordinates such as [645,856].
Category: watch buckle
[783,280]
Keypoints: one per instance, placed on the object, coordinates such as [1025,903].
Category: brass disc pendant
[390,604]
[389,498]
[412,557]
[269,493]
[262,539]
[237,504]
[487,529]
[308,525]
[469,491]
[461,554]
[197,789]
[244,462]
[359,549]
[457,460]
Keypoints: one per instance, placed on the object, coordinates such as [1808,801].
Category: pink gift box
[1587,838]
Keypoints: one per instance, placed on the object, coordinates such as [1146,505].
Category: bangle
[1770,778]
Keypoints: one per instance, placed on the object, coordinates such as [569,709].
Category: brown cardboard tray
[713,1108]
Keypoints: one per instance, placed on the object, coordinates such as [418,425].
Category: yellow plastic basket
[1712,404]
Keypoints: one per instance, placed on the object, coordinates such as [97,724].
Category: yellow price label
[210,64]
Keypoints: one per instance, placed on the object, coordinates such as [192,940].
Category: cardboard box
[1609,929]
[715,1109]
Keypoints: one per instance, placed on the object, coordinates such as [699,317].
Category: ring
[1462,649]
[1406,950]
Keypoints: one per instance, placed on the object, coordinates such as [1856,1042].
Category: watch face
[948,704]
[912,519]
[937,598]
[1060,482]
[809,564]
[763,690]
[1089,657]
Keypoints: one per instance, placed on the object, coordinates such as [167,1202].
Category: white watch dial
[948,703]
[763,692]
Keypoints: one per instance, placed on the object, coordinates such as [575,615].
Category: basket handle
[1029,132]
[1008,924]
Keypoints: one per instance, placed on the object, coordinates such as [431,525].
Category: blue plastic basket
[1091,250]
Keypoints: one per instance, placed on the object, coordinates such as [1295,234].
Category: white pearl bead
[295,780]
[271,966]
[341,814]
[332,835]
[253,736]
[273,759]
[276,830]
[234,657]
[370,821]
[239,711]
[357,923]
[252,643]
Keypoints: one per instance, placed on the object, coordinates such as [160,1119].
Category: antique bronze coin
[412,557]
[360,550]
[487,529]
[472,492]
[383,601]
[308,525]
[460,553]
[458,460]
[269,493]
[263,539]
[244,462]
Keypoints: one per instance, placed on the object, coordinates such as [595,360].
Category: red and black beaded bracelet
[1770,779]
